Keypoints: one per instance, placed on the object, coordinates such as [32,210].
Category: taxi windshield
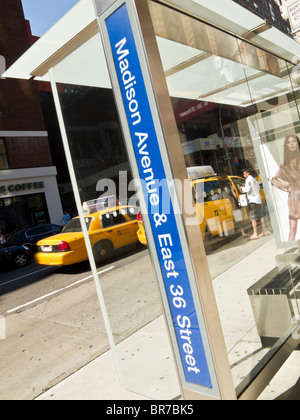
[75,226]
[207,191]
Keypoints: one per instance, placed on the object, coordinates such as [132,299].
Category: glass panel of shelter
[217,86]
[235,107]
[99,158]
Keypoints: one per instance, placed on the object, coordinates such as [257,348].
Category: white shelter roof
[224,14]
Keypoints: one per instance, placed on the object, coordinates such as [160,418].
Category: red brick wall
[28,152]
[20,107]
[13,31]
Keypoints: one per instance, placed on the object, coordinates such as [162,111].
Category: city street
[23,288]
[54,324]
[35,283]
[190,114]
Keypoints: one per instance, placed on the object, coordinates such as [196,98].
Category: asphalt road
[54,324]
[30,285]
[19,287]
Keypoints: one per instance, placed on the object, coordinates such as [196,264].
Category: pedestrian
[66,218]
[252,189]
[239,212]
[288,179]
[2,238]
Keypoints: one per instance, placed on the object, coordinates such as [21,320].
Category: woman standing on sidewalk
[288,179]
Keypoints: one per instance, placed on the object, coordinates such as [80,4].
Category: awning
[79,25]
[76,21]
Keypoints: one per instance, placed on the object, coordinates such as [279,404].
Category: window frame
[4,154]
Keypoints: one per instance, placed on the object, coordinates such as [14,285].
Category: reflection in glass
[75,226]
[234,105]
[288,179]
[128,283]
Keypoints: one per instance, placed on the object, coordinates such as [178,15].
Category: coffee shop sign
[26,186]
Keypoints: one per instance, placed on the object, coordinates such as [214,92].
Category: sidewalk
[148,355]
[99,381]
[286,384]
[96,381]
[145,358]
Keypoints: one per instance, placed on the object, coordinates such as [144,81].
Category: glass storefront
[237,112]
[21,212]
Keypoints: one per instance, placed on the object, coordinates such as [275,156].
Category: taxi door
[214,207]
[119,229]
[218,211]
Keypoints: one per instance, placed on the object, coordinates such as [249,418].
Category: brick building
[268,10]
[28,188]
[290,10]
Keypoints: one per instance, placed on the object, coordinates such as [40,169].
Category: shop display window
[21,212]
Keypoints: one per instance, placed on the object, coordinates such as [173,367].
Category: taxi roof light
[196,172]
[99,204]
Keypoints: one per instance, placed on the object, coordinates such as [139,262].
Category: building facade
[28,188]
[269,10]
[290,10]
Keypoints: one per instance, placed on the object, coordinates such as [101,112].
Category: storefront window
[21,212]
[236,110]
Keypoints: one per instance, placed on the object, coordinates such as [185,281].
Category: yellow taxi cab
[216,198]
[262,192]
[141,231]
[110,229]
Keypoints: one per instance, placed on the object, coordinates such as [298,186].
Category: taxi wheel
[103,251]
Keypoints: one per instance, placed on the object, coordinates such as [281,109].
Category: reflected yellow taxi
[109,230]
[216,199]
[141,231]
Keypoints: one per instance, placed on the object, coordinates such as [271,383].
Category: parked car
[17,256]
[29,237]
[109,229]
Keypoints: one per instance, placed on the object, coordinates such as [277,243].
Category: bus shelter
[170,105]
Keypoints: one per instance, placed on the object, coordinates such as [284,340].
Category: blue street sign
[167,239]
